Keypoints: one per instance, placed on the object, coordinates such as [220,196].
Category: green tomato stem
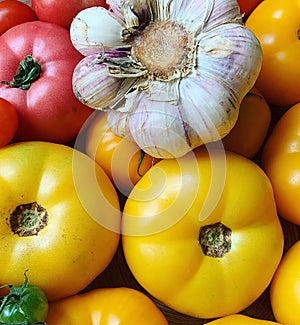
[142,155]
[28,71]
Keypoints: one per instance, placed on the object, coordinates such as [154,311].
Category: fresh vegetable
[276,24]
[41,89]
[281,162]
[182,70]
[247,6]
[109,306]
[251,127]
[284,290]
[59,218]
[8,121]
[62,12]
[238,319]
[23,305]
[13,12]
[122,160]
[198,231]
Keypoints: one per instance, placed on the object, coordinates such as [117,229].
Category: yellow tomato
[44,224]
[238,319]
[106,306]
[201,233]
[122,160]
[276,25]
[250,130]
[281,161]
[285,288]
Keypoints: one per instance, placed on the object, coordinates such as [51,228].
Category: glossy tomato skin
[8,122]
[62,12]
[74,237]
[239,319]
[281,162]
[122,160]
[247,6]
[25,304]
[276,25]
[251,127]
[48,110]
[14,12]
[167,215]
[284,290]
[109,306]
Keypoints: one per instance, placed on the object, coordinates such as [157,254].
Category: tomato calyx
[28,219]
[28,71]
[142,155]
[11,308]
[215,239]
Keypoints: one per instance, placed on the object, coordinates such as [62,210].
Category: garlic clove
[94,30]
[207,119]
[162,132]
[194,13]
[221,55]
[115,7]
[176,117]
[92,84]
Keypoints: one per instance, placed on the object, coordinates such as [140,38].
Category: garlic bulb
[176,70]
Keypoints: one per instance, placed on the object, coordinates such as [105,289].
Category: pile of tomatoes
[110,234]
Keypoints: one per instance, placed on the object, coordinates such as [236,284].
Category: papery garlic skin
[91,82]
[182,91]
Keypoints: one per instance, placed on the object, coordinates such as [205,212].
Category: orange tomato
[121,159]
[250,130]
[276,24]
[285,288]
[281,162]
[107,306]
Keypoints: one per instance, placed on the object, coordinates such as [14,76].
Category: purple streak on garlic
[92,84]
[176,71]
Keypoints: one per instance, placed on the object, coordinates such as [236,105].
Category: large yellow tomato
[106,306]
[201,233]
[251,127]
[276,24]
[44,224]
[285,288]
[238,319]
[122,160]
[281,161]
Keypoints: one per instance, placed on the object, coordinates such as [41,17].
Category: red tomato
[62,12]
[48,110]
[13,12]
[247,6]
[8,122]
